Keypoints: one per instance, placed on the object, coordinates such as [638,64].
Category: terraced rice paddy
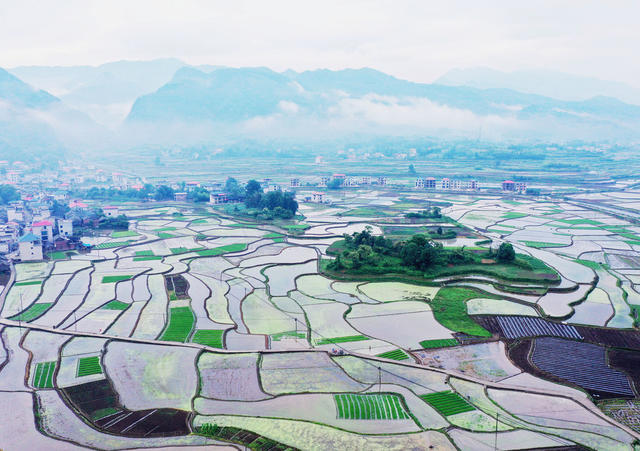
[307,361]
[441,343]
[397,354]
[447,402]
[88,366]
[350,406]
[114,279]
[180,324]
[43,376]
[211,338]
[33,312]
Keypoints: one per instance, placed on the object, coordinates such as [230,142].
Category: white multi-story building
[65,228]
[43,230]
[30,247]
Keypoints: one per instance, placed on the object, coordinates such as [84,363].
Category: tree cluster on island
[261,205]
[363,250]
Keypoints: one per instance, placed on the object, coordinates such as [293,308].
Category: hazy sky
[414,40]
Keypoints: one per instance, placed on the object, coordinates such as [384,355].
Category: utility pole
[495,442]
[20,315]
[379,380]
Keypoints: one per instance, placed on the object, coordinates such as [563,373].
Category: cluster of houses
[32,230]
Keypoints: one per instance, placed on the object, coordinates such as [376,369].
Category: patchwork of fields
[193,328]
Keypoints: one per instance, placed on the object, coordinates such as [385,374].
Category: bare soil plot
[230,377]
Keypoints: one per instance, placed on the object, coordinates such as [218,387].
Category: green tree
[506,253]
[8,193]
[233,189]
[412,169]
[334,184]
[164,192]
[253,186]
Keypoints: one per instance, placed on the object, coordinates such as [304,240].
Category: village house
[324,180]
[30,247]
[111,211]
[382,180]
[294,183]
[65,228]
[318,197]
[217,198]
[43,230]
[180,197]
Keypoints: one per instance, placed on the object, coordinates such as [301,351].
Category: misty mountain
[259,100]
[104,92]
[36,124]
[543,82]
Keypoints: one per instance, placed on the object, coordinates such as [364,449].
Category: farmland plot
[397,291]
[418,380]
[413,322]
[304,372]
[282,278]
[486,361]
[324,437]
[579,363]
[12,373]
[326,321]
[319,287]
[152,376]
[217,304]
[262,317]
[230,377]
[58,420]
[487,306]
[153,317]
[321,408]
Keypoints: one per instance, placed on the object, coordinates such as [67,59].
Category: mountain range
[167,102]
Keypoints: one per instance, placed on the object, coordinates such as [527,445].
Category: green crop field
[144,253]
[211,338]
[180,324]
[326,341]
[447,402]
[439,343]
[43,377]
[541,244]
[513,215]
[33,312]
[115,305]
[164,235]
[28,282]
[58,255]
[396,354]
[124,234]
[147,257]
[164,229]
[292,333]
[450,309]
[222,250]
[111,245]
[113,279]
[88,366]
[351,406]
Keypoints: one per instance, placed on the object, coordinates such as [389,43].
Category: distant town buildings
[514,187]
[294,183]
